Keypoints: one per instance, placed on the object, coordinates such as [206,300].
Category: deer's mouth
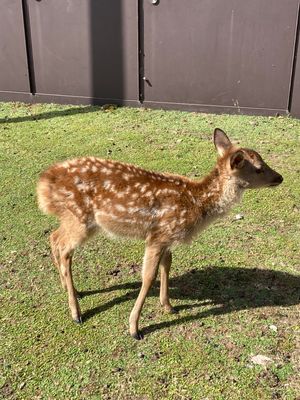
[273,184]
[276,183]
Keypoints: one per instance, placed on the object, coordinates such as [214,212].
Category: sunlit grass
[238,279]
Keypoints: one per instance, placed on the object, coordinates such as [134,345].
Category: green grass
[230,285]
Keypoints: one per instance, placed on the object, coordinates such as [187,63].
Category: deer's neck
[217,193]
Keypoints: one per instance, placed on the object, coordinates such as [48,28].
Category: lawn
[236,288]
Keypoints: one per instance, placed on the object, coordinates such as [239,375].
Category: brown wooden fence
[203,55]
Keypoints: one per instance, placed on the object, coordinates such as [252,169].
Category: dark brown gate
[82,50]
[204,55]
[85,51]
[13,55]
[295,87]
[213,54]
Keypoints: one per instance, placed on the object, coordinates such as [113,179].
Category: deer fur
[90,194]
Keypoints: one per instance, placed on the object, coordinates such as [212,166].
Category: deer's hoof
[170,310]
[78,320]
[138,335]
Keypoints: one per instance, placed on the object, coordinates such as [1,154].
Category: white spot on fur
[132,210]
[170,191]
[191,197]
[183,213]
[144,187]
[120,207]
[106,171]
[127,190]
[149,193]
[126,176]
[107,184]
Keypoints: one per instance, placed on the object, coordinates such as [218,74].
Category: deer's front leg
[66,264]
[165,265]
[152,258]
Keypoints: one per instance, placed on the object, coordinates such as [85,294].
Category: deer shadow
[225,289]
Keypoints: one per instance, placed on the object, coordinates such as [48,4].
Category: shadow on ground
[225,289]
[51,114]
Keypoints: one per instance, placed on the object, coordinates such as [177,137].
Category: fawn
[90,194]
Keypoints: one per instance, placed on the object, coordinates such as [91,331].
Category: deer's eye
[259,170]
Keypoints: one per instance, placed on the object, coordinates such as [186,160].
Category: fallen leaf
[296,208]
[273,328]
[253,123]
[260,359]
[238,217]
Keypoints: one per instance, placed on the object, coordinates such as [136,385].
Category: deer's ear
[221,141]
[237,160]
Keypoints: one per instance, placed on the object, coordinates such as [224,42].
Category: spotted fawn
[91,194]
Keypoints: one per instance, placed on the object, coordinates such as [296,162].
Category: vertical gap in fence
[141,50]
[28,41]
[296,41]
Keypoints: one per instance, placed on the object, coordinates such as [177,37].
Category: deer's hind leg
[66,238]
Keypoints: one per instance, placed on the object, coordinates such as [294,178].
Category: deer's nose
[277,180]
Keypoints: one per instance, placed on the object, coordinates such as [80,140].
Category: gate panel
[13,58]
[85,48]
[219,54]
[295,99]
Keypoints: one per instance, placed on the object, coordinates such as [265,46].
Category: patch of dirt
[6,391]
[134,268]
[114,272]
